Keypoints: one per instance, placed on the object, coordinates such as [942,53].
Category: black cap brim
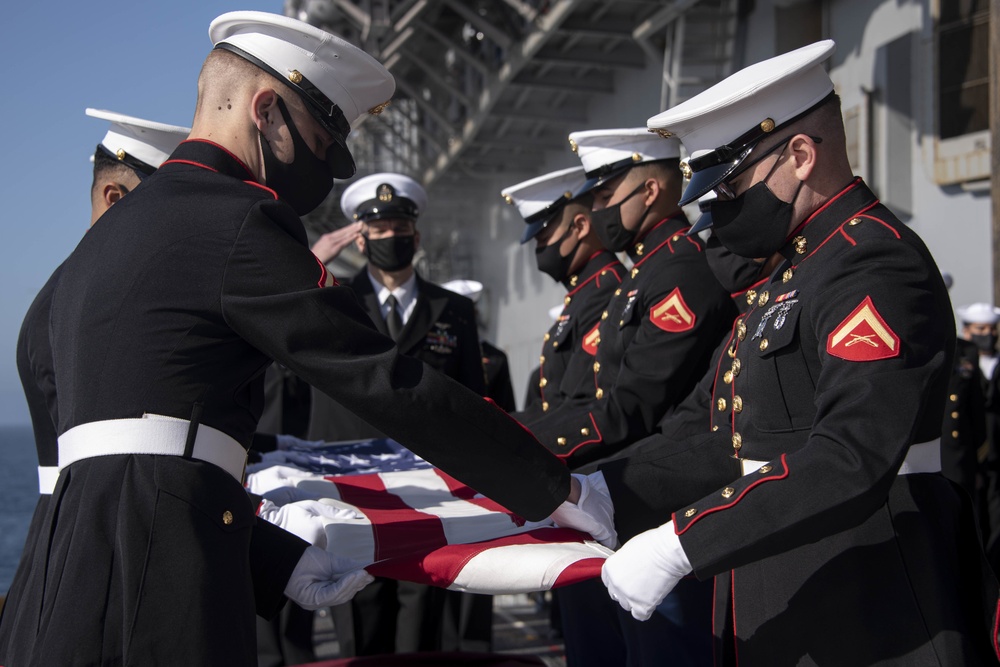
[702,223]
[702,182]
[534,229]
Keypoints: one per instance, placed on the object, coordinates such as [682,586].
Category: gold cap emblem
[664,134]
[120,153]
[636,157]
[572,145]
[568,194]
[385,192]
[686,170]
[767,125]
[508,199]
[295,76]
[379,108]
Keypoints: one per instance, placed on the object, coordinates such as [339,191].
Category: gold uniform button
[751,296]
[545,406]
[584,431]
[639,248]
[561,442]
[618,291]
[727,377]
[599,393]
[555,344]
[597,367]
[737,441]
[721,404]
[787,275]
[737,366]
[854,221]
[715,428]
[690,513]
[954,434]
[604,315]
[677,237]
[541,359]
[728,492]
[621,323]
[604,273]
[764,296]
[763,344]
[764,470]
[954,398]
[227,517]
[567,300]
[543,382]
[546,337]
[732,352]
[737,404]
[741,330]
[573,280]
[954,415]
[635,272]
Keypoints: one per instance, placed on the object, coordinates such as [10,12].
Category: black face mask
[608,225]
[392,253]
[755,224]
[985,342]
[551,262]
[733,272]
[304,183]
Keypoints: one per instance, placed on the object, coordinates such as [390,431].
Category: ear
[580,225]
[264,109]
[651,192]
[112,192]
[804,154]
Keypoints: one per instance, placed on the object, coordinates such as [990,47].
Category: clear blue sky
[56,59]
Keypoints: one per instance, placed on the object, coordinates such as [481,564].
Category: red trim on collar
[224,150]
[262,187]
[599,438]
[851,186]
[613,271]
[657,225]
[718,508]
[193,164]
[593,277]
[652,252]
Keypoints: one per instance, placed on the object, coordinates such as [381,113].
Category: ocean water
[18,495]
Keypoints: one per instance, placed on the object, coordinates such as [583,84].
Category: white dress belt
[151,434]
[921,457]
[47,476]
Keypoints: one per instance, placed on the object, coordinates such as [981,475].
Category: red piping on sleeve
[597,432]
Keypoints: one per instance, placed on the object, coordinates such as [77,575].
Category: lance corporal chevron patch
[672,314]
[863,336]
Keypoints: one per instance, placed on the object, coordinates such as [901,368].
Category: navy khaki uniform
[569,347]
[655,337]
[441,332]
[832,379]
[180,316]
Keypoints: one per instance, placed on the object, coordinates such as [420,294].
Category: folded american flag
[424,526]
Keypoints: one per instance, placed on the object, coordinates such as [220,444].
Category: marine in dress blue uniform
[555,218]
[131,149]
[656,333]
[840,543]
[161,332]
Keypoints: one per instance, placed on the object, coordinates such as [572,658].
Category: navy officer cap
[383,196]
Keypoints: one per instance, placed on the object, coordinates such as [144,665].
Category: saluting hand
[319,580]
[645,570]
[332,243]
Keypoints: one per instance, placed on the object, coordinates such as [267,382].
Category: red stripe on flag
[581,570]
[440,567]
[466,493]
[397,528]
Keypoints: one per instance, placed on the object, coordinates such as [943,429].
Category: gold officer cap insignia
[385,192]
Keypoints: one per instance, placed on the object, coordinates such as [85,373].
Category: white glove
[306,518]
[317,581]
[645,570]
[593,513]
[289,494]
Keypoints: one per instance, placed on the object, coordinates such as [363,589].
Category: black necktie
[393,321]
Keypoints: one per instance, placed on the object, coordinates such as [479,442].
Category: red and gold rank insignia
[591,340]
[672,314]
[863,336]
